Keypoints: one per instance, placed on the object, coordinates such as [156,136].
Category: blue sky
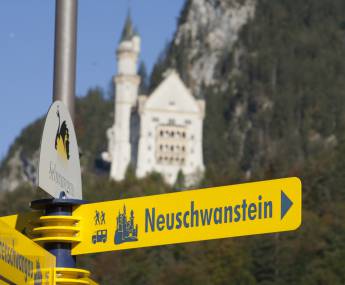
[26,51]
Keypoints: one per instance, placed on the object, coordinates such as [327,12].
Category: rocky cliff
[207,30]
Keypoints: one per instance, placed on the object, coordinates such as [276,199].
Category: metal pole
[65,52]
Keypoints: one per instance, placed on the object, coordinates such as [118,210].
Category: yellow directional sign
[228,211]
[22,261]
[23,222]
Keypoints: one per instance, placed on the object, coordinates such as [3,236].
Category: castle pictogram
[126,231]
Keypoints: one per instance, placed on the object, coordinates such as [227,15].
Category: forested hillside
[272,74]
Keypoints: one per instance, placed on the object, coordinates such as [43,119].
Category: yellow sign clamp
[58,231]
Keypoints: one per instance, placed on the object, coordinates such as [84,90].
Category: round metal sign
[59,167]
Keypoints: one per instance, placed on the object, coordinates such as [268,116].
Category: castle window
[188,122]
[172,145]
[155,119]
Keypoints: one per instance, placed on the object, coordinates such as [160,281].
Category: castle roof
[172,95]
[128,31]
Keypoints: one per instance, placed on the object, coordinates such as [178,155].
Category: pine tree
[180,181]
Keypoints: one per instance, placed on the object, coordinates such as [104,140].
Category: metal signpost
[66,13]
[59,168]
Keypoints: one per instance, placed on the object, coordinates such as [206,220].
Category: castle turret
[157,133]
[127,82]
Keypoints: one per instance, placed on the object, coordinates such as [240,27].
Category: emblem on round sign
[59,166]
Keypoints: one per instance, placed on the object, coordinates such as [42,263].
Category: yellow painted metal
[72,272]
[56,238]
[56,229]
[22,261]
[220,212]
[23,222]
[58,221]
[69,276]
[44,229]
[62,229]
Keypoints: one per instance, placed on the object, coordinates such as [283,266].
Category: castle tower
[161,132]
[127,82]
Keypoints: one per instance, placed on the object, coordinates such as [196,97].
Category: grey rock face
[210,28]
[18,170]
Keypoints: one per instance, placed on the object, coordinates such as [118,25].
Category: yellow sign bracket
[67,276]
[57,229]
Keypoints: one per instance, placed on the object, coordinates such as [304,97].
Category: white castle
[160,132]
